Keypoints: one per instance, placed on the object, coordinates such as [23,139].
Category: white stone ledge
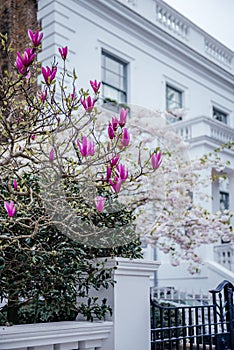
[132,267]
[55,335]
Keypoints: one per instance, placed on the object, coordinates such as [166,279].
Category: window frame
[222,114]
[181,99]
[124,76]
[226,201]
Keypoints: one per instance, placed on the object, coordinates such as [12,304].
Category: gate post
[223,308]
[228,295]
[130,302]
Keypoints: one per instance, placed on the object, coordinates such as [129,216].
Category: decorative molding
[190,52]
[224,255]
[195,128]
[133,267]
[55,335]
[217,52]
[171,21]
[130,2]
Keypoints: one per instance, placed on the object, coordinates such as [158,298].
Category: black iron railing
[224,317]
[181,327]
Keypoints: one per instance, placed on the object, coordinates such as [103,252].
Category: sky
[214,16]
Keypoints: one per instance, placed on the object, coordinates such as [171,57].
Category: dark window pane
[219,115]
[173,98]
[224,200]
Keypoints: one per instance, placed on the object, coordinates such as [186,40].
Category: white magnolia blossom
[169,214]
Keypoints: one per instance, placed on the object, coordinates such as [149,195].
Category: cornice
[124,17]
[193,25]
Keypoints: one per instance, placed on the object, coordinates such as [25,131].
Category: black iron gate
[203,327]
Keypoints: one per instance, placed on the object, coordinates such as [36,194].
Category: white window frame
[119,90]
[222,113]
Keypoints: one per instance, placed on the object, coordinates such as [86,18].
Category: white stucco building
[147,54]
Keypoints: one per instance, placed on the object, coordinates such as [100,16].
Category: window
[219,115]
[173,99]
[224,204]
[224,192]
[224,200]
[114,79]
[224,197]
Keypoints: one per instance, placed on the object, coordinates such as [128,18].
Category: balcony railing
[55,336]
[224,255]
[204,127]
[171,21]
[177,25]
[215,50]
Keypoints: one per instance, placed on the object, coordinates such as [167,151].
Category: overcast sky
[214,16]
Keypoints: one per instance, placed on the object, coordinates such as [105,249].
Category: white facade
[127,328]
[157,48]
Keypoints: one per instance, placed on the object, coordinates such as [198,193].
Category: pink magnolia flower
[10,208]
[125,137]
[156,160]
[49,74]
[63,52]
[36,37]
[42,95]
[27,57]
[33,136]
[23,61]
[123,116]
[99,203]
[15,185]
[122,171]
[88,104]
[116,184]
[108,173]
[95,86]
[114,160]
[111,132]
[73,94]
[115,123]
[51,155]
[87,147]
[19,65]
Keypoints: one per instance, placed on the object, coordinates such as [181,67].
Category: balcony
[202,129]
[224,255]
[178,26]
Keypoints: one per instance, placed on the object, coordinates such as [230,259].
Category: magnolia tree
[62,170]
[77,169]
[67,163]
